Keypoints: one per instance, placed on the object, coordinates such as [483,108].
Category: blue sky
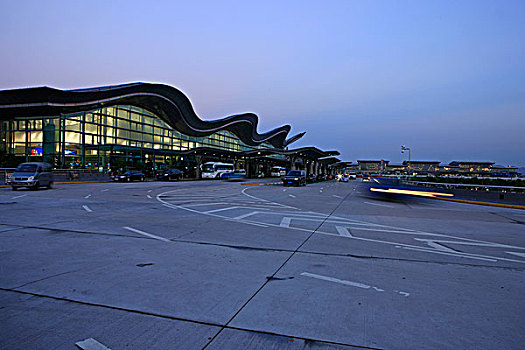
[446,78]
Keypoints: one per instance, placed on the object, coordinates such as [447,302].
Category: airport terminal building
[139,125]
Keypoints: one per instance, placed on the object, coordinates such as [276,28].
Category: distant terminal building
[372,166]
[422,166]
[139,125]
[432,168]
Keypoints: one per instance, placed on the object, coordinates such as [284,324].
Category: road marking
[476,243]
[441,247]
[89,195]
[86,208]
[221,209]
[349,283]
[336,280]
[149,196]
[107,189]
[145,234]
[337,196]
[343,231]
[284,190]
[91,344]
[22,195]
[245,215]
[379,205]
[150,191]
[517,253]
[460,255]
[291,195]
[265,200]
[285,222]
[247,222]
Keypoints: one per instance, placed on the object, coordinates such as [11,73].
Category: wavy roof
[166,102]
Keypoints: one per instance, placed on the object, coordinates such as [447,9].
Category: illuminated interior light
[411,192]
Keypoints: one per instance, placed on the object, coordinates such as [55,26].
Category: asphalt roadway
[221,265]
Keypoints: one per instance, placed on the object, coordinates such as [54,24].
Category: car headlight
[30,178]
[296,178]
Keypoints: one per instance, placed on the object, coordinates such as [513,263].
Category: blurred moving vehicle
[343,178]
[214,170]
[352,176]
[131,175]
[277,171]
[366,178]
[170,174]
[31,175]
[295,177]
[237,175]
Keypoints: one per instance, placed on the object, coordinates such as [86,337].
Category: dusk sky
[446,78]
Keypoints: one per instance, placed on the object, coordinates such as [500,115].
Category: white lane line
[107,189]
[145,234]
[221,209]
[284,190]
[245,215]
[265,200]
[441,247]
[291,195]
[336,280]
[285,222]
[89,195]
[337,196]
[459,255]
[150,191]
[247,222]
[149,196]
[22,195]
[86,208]
[517,254]
[349,283]
[91,344]
[379,205]
[343,231]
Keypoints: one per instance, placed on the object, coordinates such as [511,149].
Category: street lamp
[403,149]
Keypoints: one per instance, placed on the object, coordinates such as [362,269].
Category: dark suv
[295,177]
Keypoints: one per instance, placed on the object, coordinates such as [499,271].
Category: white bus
[277,171]
[214,170]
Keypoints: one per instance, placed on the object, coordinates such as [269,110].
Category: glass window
[72,137]
[122,113]
[123,124]
[36,136]
[90,128]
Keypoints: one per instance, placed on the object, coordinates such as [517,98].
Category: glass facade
[108,138]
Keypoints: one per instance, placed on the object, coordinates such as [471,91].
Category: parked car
[170,174]
[31,175]
[131,175]
[322,177]
[311,178]
[295,177]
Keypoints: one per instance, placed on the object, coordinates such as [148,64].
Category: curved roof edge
[166,102]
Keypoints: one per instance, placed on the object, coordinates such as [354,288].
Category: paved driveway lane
[391,304]
[41,323]
[189,281]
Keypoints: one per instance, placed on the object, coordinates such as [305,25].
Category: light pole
[403,149]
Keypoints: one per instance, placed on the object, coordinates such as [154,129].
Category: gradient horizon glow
[445,78]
